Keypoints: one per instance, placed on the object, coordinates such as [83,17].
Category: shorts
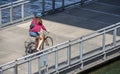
[33,34]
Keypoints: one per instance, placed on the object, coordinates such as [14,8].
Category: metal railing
[18,11]
[7,12]
[68,54]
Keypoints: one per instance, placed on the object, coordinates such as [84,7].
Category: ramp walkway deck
[72,23]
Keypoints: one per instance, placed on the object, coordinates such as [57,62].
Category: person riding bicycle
[35,27]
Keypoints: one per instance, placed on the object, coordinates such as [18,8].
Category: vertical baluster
[39,67]
[11,13]
[81,2]
[69,54]
[29,67]
[1,71]
[81,52]
[103,44]
[0,17]
[16,68]
[56,61]
[63,4]
[53,5]
[114,36]
[43,6]
[22,10]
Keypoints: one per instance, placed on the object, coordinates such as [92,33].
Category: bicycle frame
[29,45]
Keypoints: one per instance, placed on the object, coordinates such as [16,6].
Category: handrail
[11,3]
[14,5]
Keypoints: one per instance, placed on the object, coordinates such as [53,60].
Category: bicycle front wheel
[48,42]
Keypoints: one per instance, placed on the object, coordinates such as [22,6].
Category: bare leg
[40,40]
[36,43]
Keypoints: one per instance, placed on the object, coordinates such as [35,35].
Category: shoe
[36,50]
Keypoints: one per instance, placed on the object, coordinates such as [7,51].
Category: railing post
[11,13]
[81,52]
[56,60]
[63,4]
[0,17]
[29,67]
[39,67]
[103,44]
[16,67]
[22,11]
[53,5]
[43,64]
[43,6]
[1,72]
[69,54]
[81,2]
[114,37]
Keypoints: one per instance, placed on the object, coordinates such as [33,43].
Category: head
[38,17]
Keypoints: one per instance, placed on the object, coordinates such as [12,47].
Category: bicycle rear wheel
[49,42]
[30,48]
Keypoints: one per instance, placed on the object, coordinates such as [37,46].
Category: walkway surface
[69,24]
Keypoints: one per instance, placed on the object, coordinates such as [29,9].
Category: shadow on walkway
[93,16]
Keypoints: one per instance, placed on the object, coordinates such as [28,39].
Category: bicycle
[30,45]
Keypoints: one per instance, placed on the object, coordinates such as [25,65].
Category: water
[111,67]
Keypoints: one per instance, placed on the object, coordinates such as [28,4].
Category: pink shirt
[37,27]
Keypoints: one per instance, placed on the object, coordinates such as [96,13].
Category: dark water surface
[110,67]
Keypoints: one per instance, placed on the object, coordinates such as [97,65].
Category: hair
[39,20]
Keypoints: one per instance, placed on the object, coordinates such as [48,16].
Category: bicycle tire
[50,42]
[30,48]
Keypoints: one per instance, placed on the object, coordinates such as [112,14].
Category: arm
[43,27]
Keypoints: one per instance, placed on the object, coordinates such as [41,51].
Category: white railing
[7,12]
[68,54]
